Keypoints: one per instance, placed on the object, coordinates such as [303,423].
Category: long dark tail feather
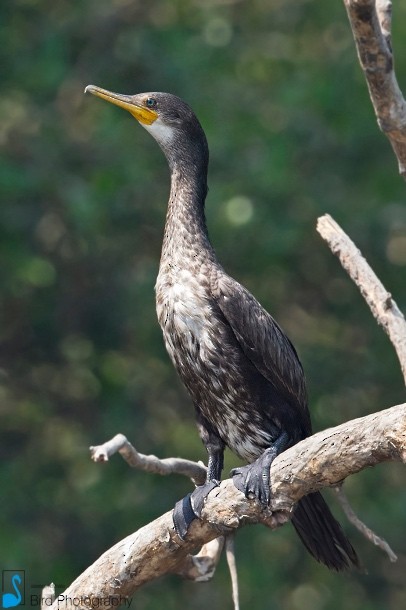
[322,534]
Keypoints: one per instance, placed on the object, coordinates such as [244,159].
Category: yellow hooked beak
[143,114]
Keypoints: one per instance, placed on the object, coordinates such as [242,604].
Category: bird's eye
[150,102]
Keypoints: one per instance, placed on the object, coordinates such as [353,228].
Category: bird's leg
[253,480]
[214,469]
[191,506]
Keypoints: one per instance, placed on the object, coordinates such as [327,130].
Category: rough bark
[324,459]
[371,27]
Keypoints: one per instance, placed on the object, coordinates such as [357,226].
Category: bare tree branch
[371,27]
[119,443]
[387,314]
[232,566]
[201,567]
[322,460]
[380,301]
[364,529]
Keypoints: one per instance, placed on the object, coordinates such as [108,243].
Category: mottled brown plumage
[240,369]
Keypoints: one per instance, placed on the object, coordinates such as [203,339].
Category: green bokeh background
[292,135]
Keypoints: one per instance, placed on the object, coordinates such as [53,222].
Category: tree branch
[371,28]
[322,460]
[201,567]
[364,529]
[379,300]
[119,443]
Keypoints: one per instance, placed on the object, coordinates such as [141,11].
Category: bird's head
[168,119]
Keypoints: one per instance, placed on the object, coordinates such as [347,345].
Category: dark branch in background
[371,27]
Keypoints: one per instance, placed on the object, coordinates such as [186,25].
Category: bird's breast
[222,383]
[184,312]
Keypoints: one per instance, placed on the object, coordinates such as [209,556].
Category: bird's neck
[186,235]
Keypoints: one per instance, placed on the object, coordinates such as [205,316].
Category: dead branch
[119,443]
[371,28]
[320,461]
[232,566]
[379,300]
[364,529]
[201,567]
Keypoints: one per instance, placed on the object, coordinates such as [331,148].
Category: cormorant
[240,369]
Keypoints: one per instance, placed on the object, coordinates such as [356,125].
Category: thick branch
[322,460]
[380,301]
[371,29]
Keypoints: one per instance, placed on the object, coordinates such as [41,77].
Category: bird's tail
[322,534]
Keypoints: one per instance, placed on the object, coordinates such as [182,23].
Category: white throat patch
[161,132]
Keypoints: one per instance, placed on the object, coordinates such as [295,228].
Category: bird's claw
[190,507]
[253,480]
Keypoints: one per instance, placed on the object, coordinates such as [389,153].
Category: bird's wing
[261,339]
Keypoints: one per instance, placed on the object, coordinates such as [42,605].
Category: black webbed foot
[183,516]
[253,480]
[190,507]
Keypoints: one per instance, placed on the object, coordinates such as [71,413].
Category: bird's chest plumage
[184,311]
[207,357]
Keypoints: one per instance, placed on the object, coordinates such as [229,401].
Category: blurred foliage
[292,135]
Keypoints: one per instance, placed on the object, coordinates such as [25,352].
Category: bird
[240,369]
